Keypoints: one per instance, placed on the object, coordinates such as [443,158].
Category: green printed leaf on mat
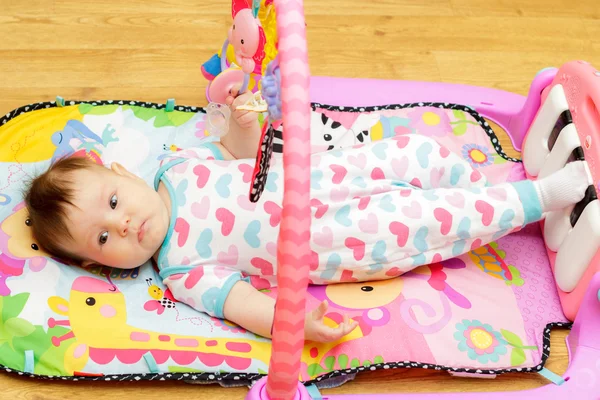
[517,357]
[355,363]
[459,129]
[343,361]
[378,360]
[330,363]
[89,109]
[459,114]
[511,338]
[19,327]
[11,306]
[314,369]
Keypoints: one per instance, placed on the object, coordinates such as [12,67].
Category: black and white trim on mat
[243,379]
[480,120]
[278,145]
[52,104]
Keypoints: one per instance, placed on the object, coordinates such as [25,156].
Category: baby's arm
[244,133]
[254,311]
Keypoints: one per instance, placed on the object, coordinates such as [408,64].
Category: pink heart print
[200,210]
[247,170]
[444,152]
[315,159]
[339,194]
[227,220]
[416,183]
[476,244]
[394,271]
[182,227]
[400,166]
[437,257]
[272,248]
[193,277]
[245,203]
[203,173]
[364,202]
[321,208]
[445,218]
[324,238]
[475,176]
[377,174]
[347,276]
[227,258]
[265,267]
[414,211]
[314,261]
[457,200]
[259,283]
[370,224]
[402,141]
[497,193]
[405,192]
[357,246]
[181,168]
[401,232]
[274,210]
[436,176]
[486,210]
[339,173]
[359,161]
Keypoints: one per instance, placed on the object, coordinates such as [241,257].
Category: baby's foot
[563,188]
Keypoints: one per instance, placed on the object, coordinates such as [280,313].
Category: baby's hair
[47,199]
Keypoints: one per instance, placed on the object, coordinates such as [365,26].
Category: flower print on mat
[430,121]
[478,156]
[484,344]
[490,259]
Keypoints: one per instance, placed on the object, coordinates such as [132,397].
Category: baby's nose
[124,228]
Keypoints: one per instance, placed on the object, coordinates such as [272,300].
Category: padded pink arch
[293,254]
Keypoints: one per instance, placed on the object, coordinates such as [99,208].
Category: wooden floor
[152,50]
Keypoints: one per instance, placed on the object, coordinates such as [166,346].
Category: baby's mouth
[142,231]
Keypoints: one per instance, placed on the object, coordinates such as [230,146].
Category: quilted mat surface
[486,312]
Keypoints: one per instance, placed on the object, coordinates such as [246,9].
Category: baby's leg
[450,222]
[431,165]
[403,161]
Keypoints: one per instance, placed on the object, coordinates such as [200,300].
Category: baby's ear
[121,170]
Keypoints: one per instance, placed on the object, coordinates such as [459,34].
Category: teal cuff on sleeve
[215,151]
[220,303]
[532,207]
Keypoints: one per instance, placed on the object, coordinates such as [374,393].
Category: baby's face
[119,221]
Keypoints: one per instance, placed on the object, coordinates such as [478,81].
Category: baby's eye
[103,238]
[113,201]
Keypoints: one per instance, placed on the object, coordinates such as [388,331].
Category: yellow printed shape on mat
[28,137]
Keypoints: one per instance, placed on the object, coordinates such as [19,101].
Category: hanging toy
[247,38]
[217,119]
[271,84]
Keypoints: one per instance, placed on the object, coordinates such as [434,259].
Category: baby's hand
[244,118]
[316,330]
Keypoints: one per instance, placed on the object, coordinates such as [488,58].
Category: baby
[379,209]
